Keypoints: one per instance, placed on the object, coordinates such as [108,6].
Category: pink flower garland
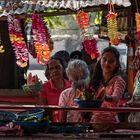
[17,40]
[40,39]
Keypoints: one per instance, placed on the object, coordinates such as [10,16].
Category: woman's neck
[107,76]
[59,84]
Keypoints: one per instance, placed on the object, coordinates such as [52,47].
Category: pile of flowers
[33,84]
[90,95]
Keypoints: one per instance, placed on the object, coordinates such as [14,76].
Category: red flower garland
[90,47]
[17,40]
[82,19]
[40,39]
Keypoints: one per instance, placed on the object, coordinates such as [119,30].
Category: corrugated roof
[25,6]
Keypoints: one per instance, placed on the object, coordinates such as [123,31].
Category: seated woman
[135,116]
[78,73]
[50,92]
[107,80]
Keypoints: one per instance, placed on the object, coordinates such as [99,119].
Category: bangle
[108,98]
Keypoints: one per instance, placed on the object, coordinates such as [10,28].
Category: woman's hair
[98,73]
[56,58]
[76,55]
[64,55]
[78,70]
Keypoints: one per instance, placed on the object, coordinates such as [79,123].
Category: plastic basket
[39,113]
[6,116]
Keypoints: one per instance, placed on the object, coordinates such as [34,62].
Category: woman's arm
[41,100]
[62,103]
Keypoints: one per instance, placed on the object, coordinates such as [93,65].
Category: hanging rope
[137,6]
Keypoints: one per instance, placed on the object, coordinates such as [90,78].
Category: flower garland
[90,47]
[112,26]
[40,39]
[137,17]
[88,42]
[17,40]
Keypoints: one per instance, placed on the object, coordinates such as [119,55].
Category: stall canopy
[26,6]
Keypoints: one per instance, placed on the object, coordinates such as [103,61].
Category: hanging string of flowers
[17,41]
[89,42]
[40,40]
[112,26]
[137,17]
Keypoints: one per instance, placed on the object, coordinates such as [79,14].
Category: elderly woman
[78,73]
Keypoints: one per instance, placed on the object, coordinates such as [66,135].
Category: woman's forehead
[53,62]
[109,55]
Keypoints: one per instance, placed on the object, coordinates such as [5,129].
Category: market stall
[15,13]
[25,9]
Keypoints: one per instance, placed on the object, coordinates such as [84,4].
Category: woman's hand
[129,103]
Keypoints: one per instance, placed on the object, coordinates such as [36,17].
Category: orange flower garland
[137,17]
[82,19]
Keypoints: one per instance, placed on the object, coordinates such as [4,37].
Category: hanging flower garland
[89,43]
[90,47]
[137,17]
[17,40]
[40,39]
[112,26]
[82,19]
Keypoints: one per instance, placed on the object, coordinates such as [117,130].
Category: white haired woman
[78,73]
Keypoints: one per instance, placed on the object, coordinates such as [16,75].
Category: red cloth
[19,99]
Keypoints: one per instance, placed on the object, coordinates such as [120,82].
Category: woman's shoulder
[47,84]
[67,90]
[138,74]
[67,83]
[118,77]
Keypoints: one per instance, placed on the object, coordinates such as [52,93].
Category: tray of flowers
[88,98]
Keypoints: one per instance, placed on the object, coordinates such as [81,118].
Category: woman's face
[108,62]
[136,62]
[55,70]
